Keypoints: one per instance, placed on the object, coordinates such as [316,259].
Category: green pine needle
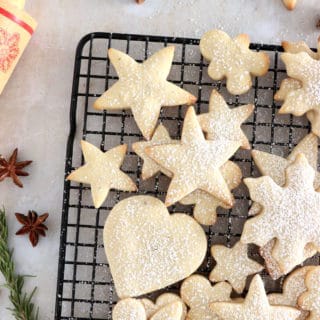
[23,308]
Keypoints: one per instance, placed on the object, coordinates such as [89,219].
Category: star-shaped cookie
[310,300]
[233,265]
[292,288]
[290,213]
[232,58]
[302,67]
[205,205]
[102,172]
[198,293]
[195,162]
[290,4]
[151,167]
[222,122]
[143,88]
[255,306]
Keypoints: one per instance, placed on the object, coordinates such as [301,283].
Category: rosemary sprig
[23,308]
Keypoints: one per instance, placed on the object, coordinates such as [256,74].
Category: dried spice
[32,225]
[12,169]
[139,1]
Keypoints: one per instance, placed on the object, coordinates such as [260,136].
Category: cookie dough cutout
[143,88]
[102,172]
[233,265]
[292,288]
[163,300]
[223,122]
[310,300]
[255,306]
[195,162]
[205,205]
[198,293]
[232,59]
[290,213]
[148,249]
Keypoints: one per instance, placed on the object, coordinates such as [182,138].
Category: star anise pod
[32,225]
[12,169]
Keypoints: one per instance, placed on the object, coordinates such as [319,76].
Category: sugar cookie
[143,88]
[310,300]
[255,306]
[163,300]
[292,288]
[149,249]
[194,162]
[102,172]
[129,309]
[172,311]
[233,265]
[205,209]
[151,167]
[232,58]
[197,292]
[290,213]
[222,122]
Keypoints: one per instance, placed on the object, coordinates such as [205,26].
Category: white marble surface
[35,104]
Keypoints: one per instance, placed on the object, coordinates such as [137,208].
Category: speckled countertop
[34,106]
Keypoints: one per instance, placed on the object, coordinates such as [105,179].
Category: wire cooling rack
[85,289]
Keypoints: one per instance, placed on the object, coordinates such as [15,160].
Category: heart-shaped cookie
[149,249]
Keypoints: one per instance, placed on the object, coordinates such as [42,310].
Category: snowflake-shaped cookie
[290,213]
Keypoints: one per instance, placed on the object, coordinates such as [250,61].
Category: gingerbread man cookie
[232,59]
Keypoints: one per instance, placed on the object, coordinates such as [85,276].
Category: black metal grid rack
[85,289]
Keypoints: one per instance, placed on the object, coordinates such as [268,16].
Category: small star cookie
[194,162]
[205,205]
[222,122]
[143,88]
[290,84]
[150,167]
[102,172]
[255,306]
[310,300]
[232,58]
[290,4]
[290,213]
[149,249]
[302,67]
[197,292]
[293,287]
[133,309]
[233,265]
[163,300]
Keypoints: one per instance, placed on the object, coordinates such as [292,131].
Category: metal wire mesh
[85,289]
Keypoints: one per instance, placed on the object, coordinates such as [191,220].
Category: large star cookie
[195,162]
[198,293]
[143,88]
[205,205]
[274,166]
[102,172]
[233,265]
[151,167]
[255,306]
[133,309]
[305,99]
[290,213]
[222,122]
[290,84]
[310,300]
[292,288]
[232,58]
[290,4]
[148,249]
